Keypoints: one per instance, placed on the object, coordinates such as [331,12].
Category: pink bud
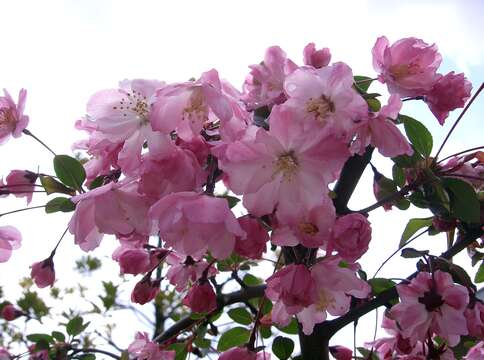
[201,298]
[4,354]
[316,58]
[145,291]
[132,260]
[351,236]
[43,273]
[341,353]
[9,312]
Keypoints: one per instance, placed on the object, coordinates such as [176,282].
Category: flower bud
[43,273]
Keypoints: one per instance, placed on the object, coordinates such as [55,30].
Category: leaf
[362,82]
[282,347]
[373,104]
[58,336]
[402,204]
[398,175]
[367,354]
[480,274]
[76,326]
[251,280]
[240,315]
[180,350]
[419,136]
[291,328]
[411,253]
[406,161]
[52,186]
[234,337]
[39,337]
[464,203]
[59,204]
[378,285]
[97,182]
[87,357]
[412,227]
[69,171]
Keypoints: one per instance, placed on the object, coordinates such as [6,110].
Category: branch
[99,351]
[243,295]
[349,178]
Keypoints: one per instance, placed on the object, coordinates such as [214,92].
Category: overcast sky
[63,51]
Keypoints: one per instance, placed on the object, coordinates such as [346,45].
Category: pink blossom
[449,92]
[432,304]
[144,349]
[284,168]
[293,286]
[254,245]
[38,355]
[316,58]
[201,298]
[123,116]
[10,312]
[12,118]
[10,239]
[351,236]
[341,353]
[475,320]
[191,223]
[43,273]
[177,171]
[4,354]
[184,273]
[408,66]
[115,208]
[325,99]
[132,260]
[21,183]
[264,86]
[242,353]
[476,352]
[309,228]
[145,290]
[186,108]
[380,131]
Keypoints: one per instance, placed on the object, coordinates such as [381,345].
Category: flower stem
[27,132]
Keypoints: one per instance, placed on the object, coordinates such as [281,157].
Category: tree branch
[242,295]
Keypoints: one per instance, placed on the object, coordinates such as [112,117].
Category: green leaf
[180,350]
[398,175]
[59,204]
[252,280]
[378,285]
[406,161]
[402,204]
[362,83]
[419,136]
[265,331]
[76,326]
[464,203]
[401,118]
[58,336]
[97,182]
[480,274]
[412,227]
[367,354]
[69,171]
[373,104]
[232,200]
[282,347]
[52,186]
[39,337]
[87,357]
[410,253]
[234,337]
[240,315]
[291,328]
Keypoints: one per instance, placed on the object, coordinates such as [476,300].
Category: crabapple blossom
[341,353]
[475,319]
[145,290]
[12,118]
[380,131]
[132,260]
[10,239]
[4,354]
[264,86]
[201,298]
[408,67]
[10,312]
[476,352]
[316,58]
[449,92]
[43,273]
[184,272]
[191,223]
[21,183]
[350,237]
[142,348]
[255,243]
[431,303]
[284,168]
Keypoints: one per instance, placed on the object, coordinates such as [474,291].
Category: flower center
[7,120]
[287,165]
[196,108]
[308,228]
[321,106]
[403,70]
[431,300]
[325,299]
[137,103]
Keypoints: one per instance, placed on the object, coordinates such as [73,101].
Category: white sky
[63,51]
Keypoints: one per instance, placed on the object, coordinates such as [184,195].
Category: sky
[64,51]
